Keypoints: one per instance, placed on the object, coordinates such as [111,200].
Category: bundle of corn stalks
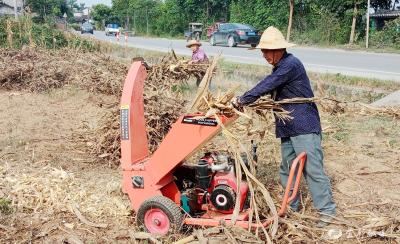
[163,104]
[159,118]
[171,70]
[220,104]
[211,106]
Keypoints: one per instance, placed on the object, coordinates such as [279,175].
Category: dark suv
[232,34]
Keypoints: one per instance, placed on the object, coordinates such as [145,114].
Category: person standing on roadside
[198,56]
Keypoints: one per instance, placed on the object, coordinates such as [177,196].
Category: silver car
[87,28]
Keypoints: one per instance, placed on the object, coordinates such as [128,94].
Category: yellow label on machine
[124,106]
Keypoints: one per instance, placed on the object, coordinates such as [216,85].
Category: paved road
[356,63]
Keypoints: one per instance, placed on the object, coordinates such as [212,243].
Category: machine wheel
[253,45]
[231,42]
[160,215]
[212,40]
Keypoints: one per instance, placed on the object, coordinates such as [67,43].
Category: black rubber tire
[233,44]
[166,205]
[212,40]
[253,45]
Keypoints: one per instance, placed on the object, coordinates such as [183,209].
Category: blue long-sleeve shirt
[289,79]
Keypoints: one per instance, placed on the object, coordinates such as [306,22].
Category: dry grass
[39,70]
[57,195]
[163,101]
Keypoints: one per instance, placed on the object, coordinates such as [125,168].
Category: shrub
[16,34]
[388,37]
[75,26]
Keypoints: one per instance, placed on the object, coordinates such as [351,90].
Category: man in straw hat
[303,133]
[198,56]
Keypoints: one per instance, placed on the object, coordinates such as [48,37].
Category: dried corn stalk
[163,105]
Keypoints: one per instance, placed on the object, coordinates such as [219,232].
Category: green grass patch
[5,206]
[342,132]
[340,79]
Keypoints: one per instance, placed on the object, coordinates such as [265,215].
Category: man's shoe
[324,220]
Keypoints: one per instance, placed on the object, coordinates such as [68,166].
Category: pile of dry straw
[38,70]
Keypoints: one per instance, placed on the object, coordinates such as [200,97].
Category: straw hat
[193,42]
[272,38]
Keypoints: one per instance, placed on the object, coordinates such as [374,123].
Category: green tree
[171,19]
[46,8]
[261,13]
[322,21]
[101,12]
[74,4]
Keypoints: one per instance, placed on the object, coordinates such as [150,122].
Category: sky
[89,3]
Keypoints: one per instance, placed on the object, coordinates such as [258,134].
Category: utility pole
[147,22]
[127,23]
[15,9]
[127,18]
[134,20]
[291,9]
[367,34]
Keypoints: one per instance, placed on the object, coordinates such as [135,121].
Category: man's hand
[236,104]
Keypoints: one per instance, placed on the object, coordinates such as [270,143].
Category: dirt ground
[44,159]
[52,190]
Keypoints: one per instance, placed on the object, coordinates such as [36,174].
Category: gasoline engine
[214,186]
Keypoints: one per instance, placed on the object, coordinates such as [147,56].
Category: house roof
[386,14]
